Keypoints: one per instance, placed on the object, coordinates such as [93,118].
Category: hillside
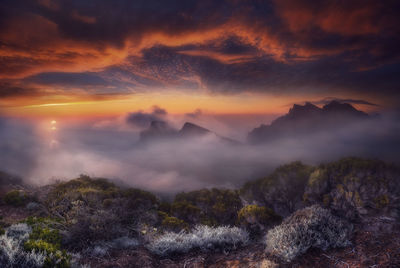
[338,210]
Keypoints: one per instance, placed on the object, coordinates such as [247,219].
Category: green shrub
[174,224]
[139,197]
[256,219]
[54,256]
[213,207]
[282,190]
[257,214]
[16,198]
[46,239]
[381,201]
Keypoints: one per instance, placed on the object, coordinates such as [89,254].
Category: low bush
[207,207]
[201,237]
[310,227]
[253,214]
[46,239]
[282,190]
[16,198]
[12,253]
[256,219]
[103,247]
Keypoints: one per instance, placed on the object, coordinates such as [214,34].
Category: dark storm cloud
[221,46]
[69,79]
[9,90]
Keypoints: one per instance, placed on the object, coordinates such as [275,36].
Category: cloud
[170,166]
[159,111]
[224,47]
[142,119]
[195,114]
[68,79]
[10,90]
[352,101]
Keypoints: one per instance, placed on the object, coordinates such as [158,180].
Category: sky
[80,58]
[80,79]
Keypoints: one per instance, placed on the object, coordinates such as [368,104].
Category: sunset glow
[199,133]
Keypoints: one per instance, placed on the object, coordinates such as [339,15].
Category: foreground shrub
[202,237]
[46,239]
[12,253]
[16,198]
[282,190]
[309,227]
[173,223]
[256,218]
[103,247]
[95,210]
[252,214]
[207,207]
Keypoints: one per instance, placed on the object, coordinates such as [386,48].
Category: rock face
[303,120]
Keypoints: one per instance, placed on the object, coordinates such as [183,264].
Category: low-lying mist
[170,165]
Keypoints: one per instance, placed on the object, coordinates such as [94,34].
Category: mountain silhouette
[159,130]
[304,120]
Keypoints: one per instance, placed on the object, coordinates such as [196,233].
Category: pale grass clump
[102,248]
[309,227]
[201,237]
[12,253]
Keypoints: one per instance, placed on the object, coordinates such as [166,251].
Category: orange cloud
[357,20]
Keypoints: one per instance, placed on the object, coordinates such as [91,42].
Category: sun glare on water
[53,140]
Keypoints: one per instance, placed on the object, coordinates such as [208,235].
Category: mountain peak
[190,129]
[339,107]
[157,129]
[307,119]
[303,110]
[158,124]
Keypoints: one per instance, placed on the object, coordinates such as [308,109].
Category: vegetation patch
[173,224]
[12,253]
[44,238]
[310,227]
[202,237]
[254,214]
[211,207]
[283,190]
[16,198]
[381,201]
